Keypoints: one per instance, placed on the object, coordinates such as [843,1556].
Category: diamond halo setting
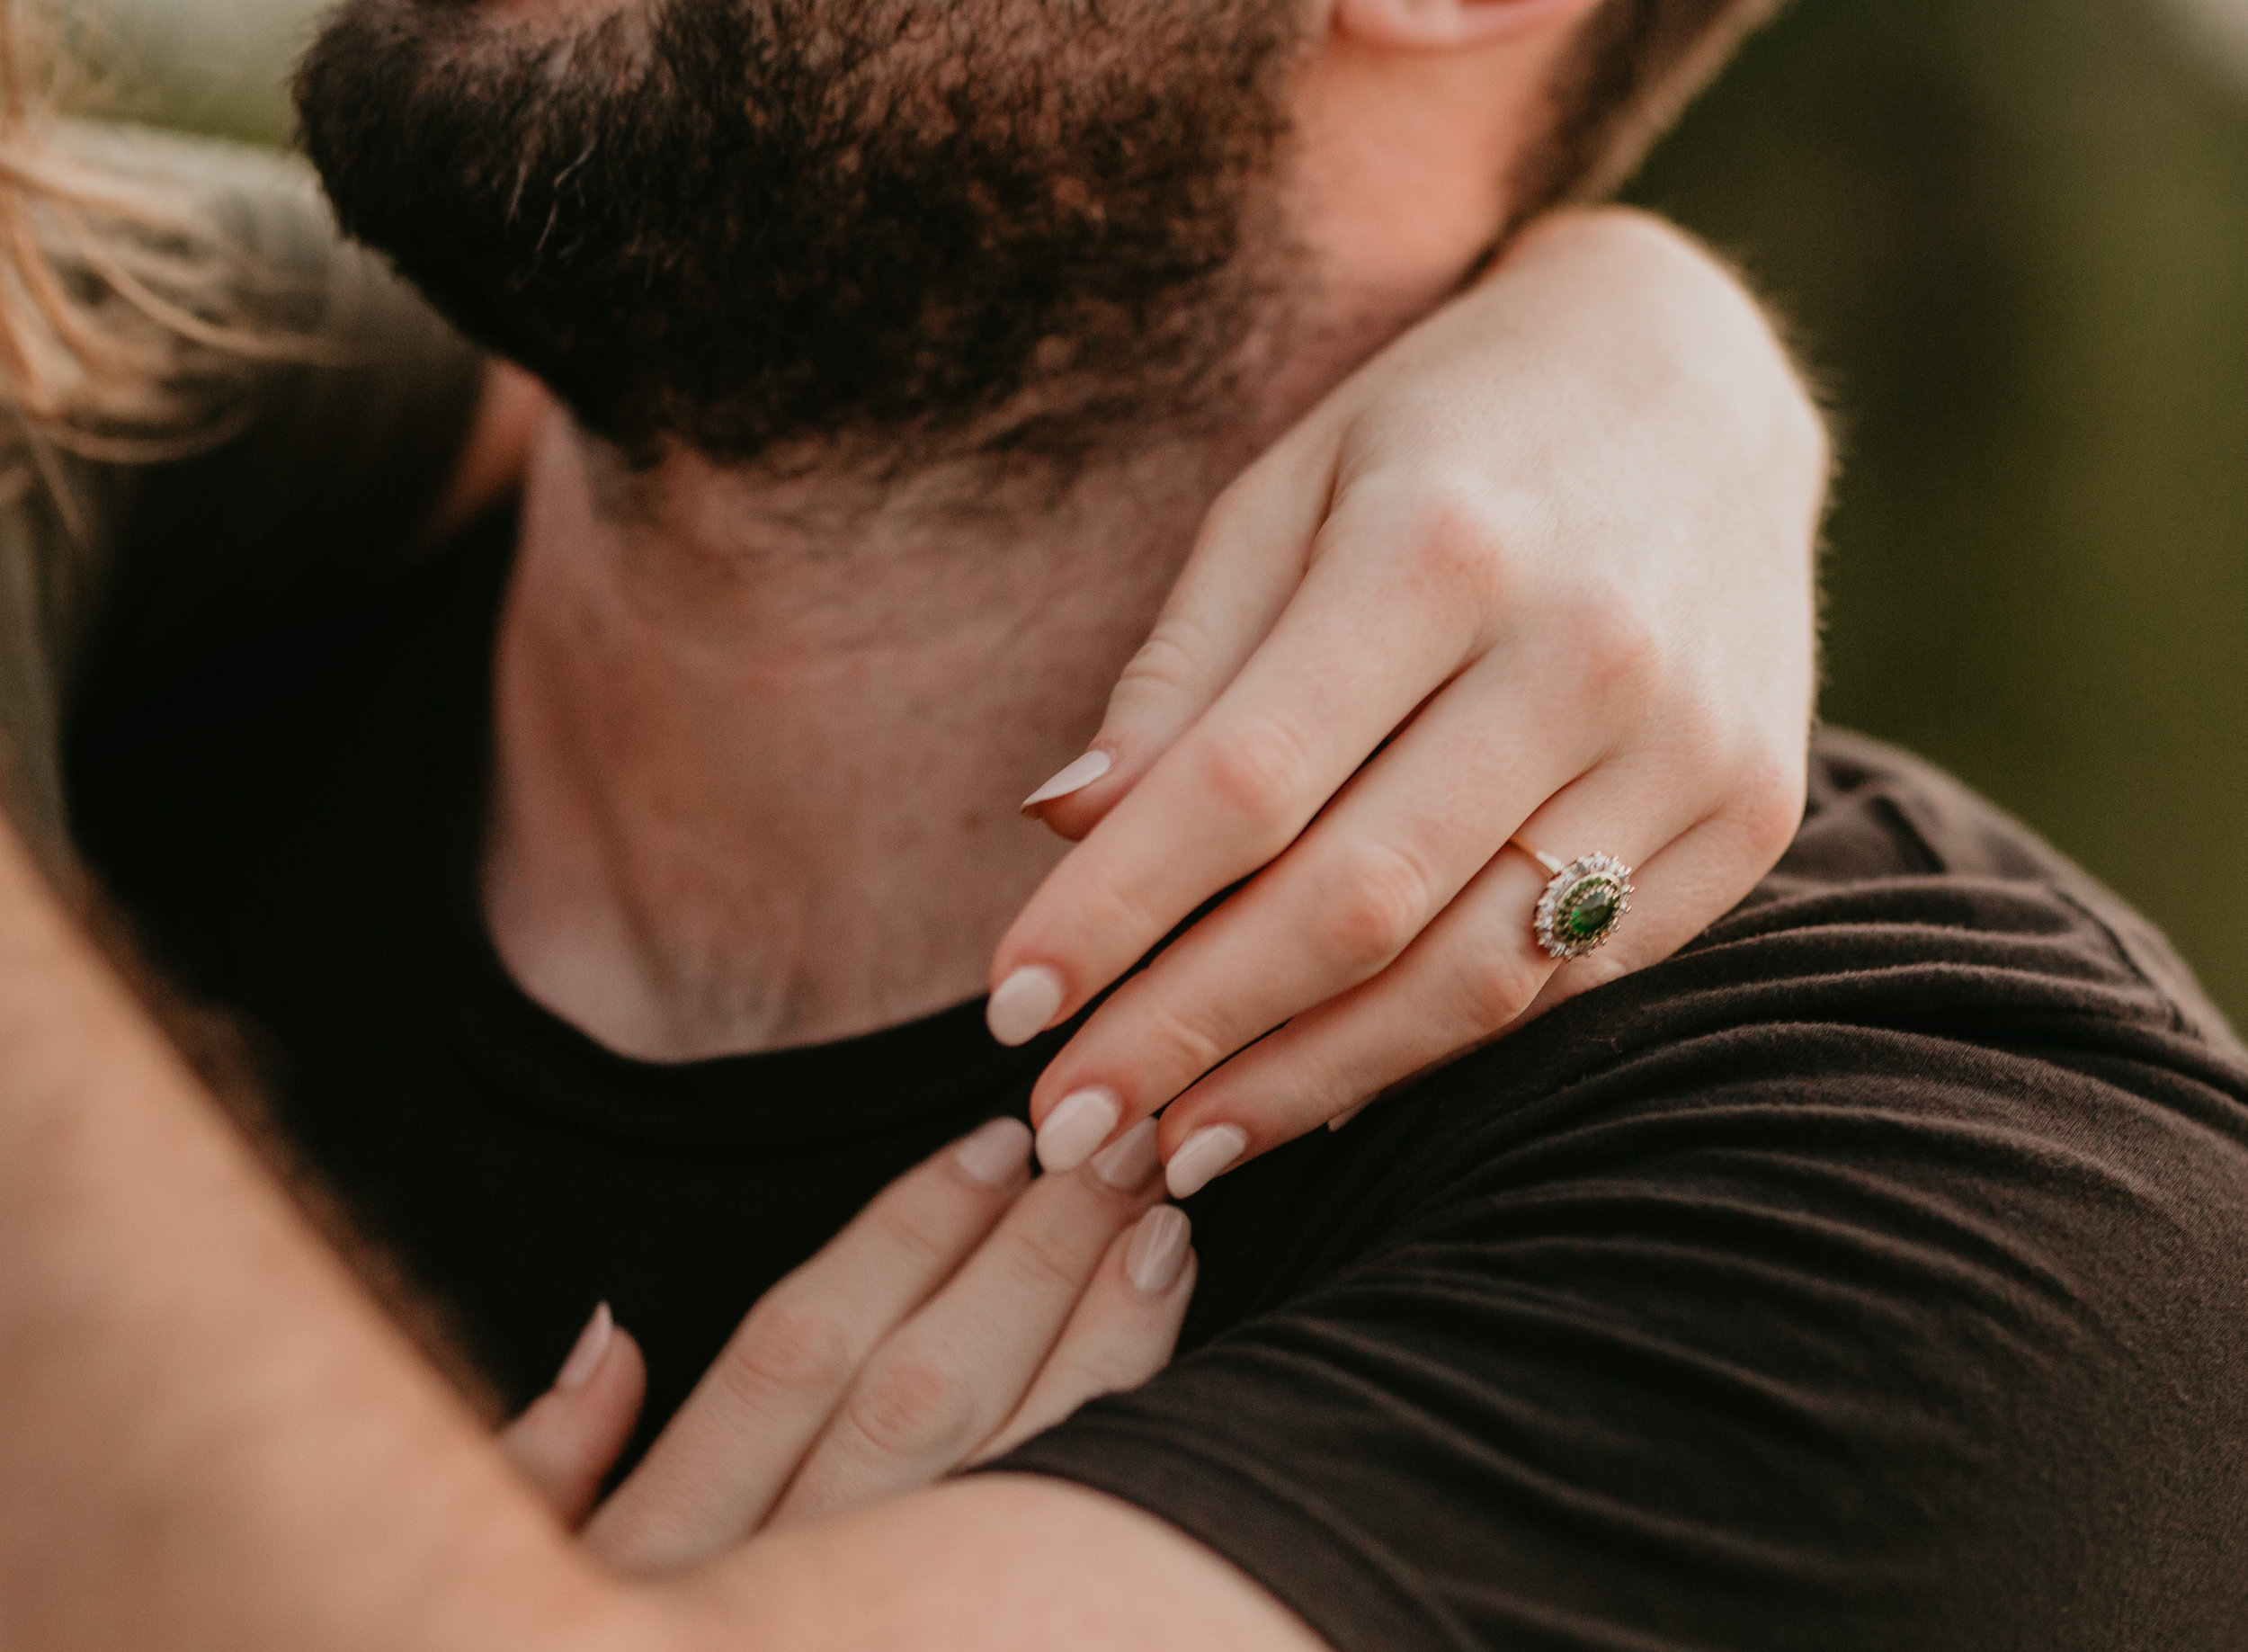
[1584,906]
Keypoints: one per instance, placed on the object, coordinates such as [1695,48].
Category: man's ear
[1436,25]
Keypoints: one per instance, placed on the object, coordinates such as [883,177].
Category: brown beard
[923,228]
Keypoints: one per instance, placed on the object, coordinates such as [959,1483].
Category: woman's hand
[1544,568]
[959,1315]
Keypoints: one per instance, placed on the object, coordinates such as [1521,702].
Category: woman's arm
[208,1440]
[206,1437]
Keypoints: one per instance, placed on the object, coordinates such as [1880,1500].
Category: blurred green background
[2013,238]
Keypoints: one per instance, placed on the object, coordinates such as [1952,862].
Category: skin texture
[1422,406]
[681,880]
[957,1316]
[212,1441]
[1547,663]
[1568,669]
[1715,758]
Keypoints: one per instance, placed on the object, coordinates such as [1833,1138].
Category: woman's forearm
[208,1438]
[210,1443]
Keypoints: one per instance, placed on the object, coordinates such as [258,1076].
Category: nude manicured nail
[584,1360]
[1156,1256]
[996,1154]
[1076,778]
[1075,1128]
[1204,1156]
[1024,1005]
[1128,1162]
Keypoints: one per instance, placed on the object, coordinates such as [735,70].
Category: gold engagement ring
[1584,904]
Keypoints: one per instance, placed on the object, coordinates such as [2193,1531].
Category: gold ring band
[1536,855]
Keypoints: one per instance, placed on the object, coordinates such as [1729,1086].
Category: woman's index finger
[1351,658]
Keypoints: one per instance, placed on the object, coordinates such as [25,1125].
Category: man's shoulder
[1885,1241]
[1911,924]
[1945,859]
[1907,908]
[1917,955]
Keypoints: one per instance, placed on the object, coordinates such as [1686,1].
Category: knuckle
[1460,545]
[1109,914]
[1610,964]
[1621,647]
[1167,665]
[908,1242]
[911,1405]
[1496,988]
[789,1351]
[1697,747]
[1194,1049]
[626,1537]
[1768,800]
[1043,1263]
[1235,516]
[1376,899]
[1261,770]
[1336,1078]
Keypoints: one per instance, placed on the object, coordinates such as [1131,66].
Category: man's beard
[895,229]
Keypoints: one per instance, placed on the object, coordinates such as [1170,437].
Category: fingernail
[1077,777]
[1024,1005]
[584,1360]
[996,1154]
[1156,1256]
[1203,1157]
[1128,1163]
[1342,1119]
[1075,1128]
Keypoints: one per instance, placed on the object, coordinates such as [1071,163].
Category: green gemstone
[1589,910]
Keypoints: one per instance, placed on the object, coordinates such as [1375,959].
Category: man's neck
[759,748]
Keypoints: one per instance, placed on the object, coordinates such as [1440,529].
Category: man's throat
[755,788]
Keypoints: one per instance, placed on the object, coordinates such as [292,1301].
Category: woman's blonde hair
[114,317]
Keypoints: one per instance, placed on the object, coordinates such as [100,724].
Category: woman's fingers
[1123,1331]
[1696,881]
[1335,909]
[950,1378]
[954,1305]
[1248,560]
[570,1436]
[1480,968]
[1477,971]
[1346,664]
[720,1466]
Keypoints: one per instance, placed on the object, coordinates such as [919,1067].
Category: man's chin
[753,223]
